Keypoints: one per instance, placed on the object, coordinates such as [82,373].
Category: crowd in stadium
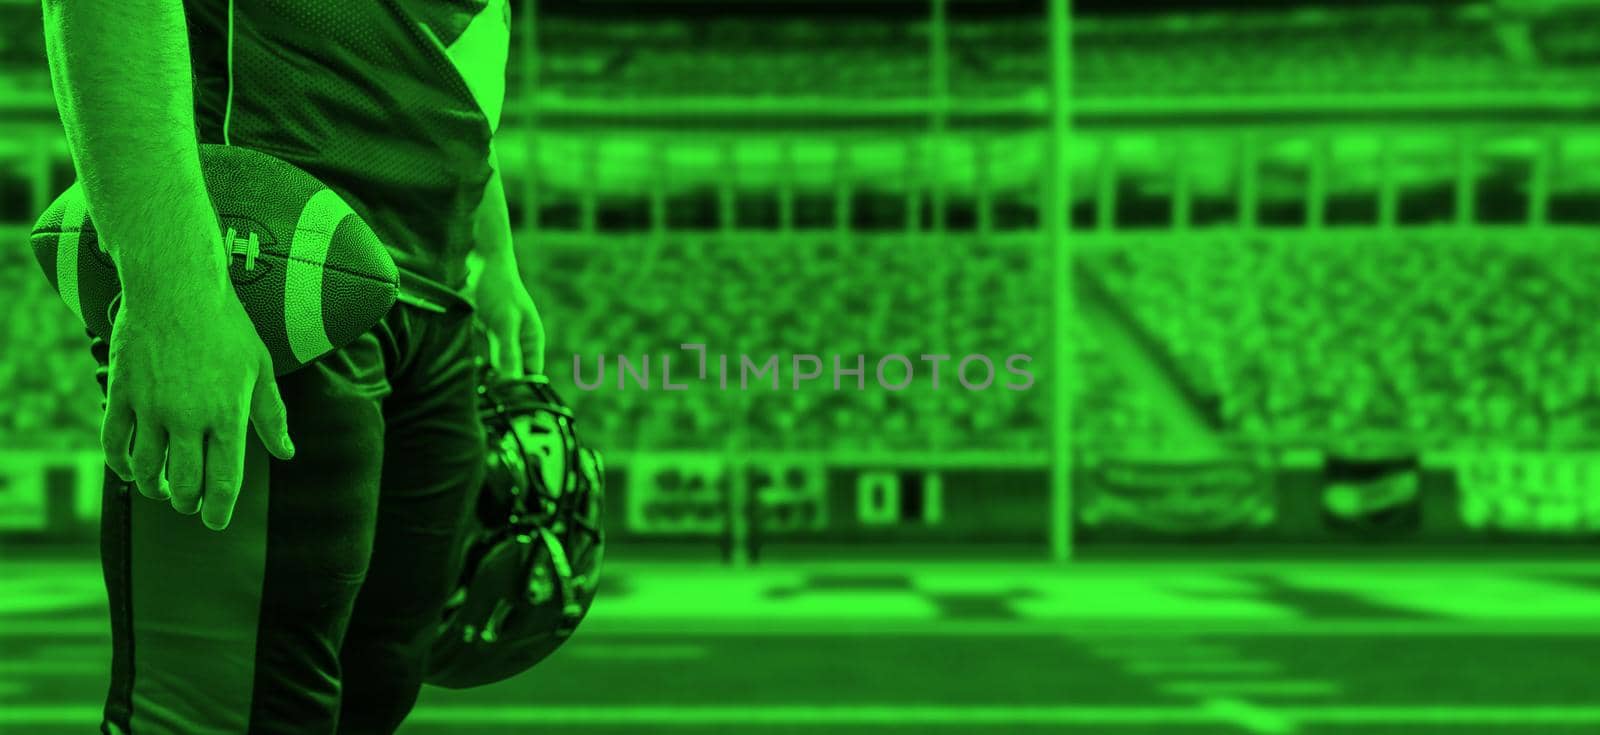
[1287,335]
[1467,336]
[1282,335]
[875,59]
[52,401]
[1394,49]
[871,297]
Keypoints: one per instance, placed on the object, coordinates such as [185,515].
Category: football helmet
[533,548]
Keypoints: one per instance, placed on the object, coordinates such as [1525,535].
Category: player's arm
[120,69]
[187,369]
[515,329]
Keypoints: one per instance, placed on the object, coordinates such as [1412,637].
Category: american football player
[277,552]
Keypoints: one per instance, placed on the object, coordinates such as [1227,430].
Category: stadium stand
[1469,335]
[823,298]
[1421,51]
[1394,50]
[870,297]
[1350,58]
[1489,339]
[1433,334]
[47,374]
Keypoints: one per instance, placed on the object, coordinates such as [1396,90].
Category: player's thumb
[533,346]
[505,347]
[270,418]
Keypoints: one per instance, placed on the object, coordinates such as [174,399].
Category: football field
[1314,648]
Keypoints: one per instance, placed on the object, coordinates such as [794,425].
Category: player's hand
[516,333]
[187,373]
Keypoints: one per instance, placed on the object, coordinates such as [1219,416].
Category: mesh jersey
[392,103]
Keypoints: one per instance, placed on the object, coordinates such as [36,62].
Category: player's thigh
[239,630]
[433,466]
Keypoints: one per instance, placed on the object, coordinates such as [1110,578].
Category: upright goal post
[1057,218]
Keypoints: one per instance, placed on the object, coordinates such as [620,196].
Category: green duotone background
[1310,295]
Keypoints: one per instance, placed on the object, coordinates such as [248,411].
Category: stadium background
[1310,296]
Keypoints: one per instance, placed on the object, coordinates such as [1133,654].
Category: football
[310,273]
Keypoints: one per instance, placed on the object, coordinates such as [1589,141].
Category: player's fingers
[185,470]
[116,437]
[224,475]
[150,459]
[269,416]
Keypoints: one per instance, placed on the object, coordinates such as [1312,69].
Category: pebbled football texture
[315,278]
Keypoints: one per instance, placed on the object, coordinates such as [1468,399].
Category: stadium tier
[1414,52]
[47,375]
[871,297]
[874,297]
[1355,58]
[1468,335]
[874,58]
[1311,349]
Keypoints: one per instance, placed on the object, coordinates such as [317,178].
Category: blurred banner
[1531,493]
[22,496]
[676,495]
[1372,496]
[49,494]
[1133,498]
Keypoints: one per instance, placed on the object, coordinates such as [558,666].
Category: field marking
[37,596]
[864,715]
[1446,715]
[60,628]
[1249,716]
[1254,688]
[639,651]
[11,569]
[1099,629]
[73,650]
[55,667]
[1157,667]
[895,716]
[1077,629]
[1161,649]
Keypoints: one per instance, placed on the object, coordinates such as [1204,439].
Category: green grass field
[1205,647]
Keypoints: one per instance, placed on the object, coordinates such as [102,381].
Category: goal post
[1057,219]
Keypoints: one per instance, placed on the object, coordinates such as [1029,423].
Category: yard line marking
[72,650]
[1030,572]
[891,716]
[1160,650]
[1090,629]
[1250,717]
[866,715]
[1256,688]
[41,666]
[37,628]
[638,651]
[47,599]
[1446,715]
[1157,667]
[1080,630]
